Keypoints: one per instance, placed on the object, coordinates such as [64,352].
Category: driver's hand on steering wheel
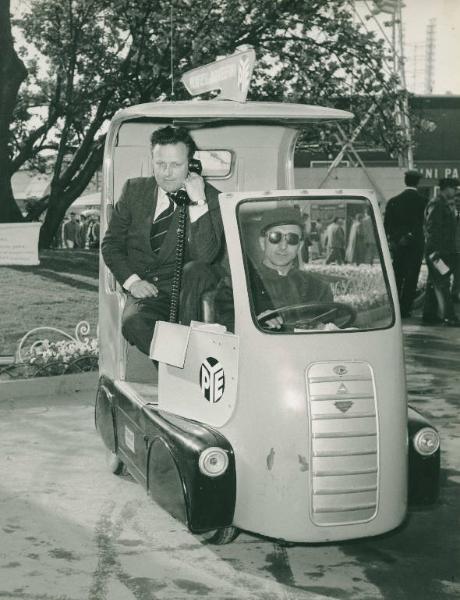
[275,322]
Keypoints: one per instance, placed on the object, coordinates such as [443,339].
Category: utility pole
[406,159]
[429,56]
[416,67]
[395,41]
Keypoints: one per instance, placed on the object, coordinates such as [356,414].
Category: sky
[416,15]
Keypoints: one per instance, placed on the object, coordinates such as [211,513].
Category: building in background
[436,154]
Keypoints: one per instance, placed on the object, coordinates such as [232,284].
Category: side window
[216,163]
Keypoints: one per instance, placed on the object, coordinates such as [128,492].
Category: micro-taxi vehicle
[299,432]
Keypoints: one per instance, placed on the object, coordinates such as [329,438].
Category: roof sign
[230,75]
[386,6]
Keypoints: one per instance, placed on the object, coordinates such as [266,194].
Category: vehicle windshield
[314,264]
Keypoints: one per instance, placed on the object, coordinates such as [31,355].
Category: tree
[101,55]
[12,74]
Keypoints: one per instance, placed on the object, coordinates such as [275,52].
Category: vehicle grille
[344,442]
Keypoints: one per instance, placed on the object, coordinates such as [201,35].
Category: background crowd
[79,231]
[417,230]
[340,242]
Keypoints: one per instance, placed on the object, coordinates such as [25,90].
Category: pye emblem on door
[212,379]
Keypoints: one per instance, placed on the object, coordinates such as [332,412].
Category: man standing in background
[440,225]
[456,278]
[403,221]
[71,232]
[335,242]
[369,238]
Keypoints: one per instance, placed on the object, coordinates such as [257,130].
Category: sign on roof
[230,75]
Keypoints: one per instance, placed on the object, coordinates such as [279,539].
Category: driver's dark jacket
[272,290]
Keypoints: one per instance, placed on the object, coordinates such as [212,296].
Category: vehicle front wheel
[218,537]
[115,464]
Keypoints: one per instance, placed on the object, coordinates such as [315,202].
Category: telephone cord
[179,261]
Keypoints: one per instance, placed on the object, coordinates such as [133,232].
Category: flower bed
[66,356]
[46,357]
[361,286]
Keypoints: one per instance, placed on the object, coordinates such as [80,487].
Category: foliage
[88,58]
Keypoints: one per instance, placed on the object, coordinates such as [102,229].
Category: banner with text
[19,243]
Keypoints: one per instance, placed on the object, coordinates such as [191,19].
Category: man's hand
[143,289]
[194,186]
[275,322]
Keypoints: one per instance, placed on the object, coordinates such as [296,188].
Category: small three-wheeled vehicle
[301,433]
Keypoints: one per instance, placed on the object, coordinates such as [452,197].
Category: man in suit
[440,225]
[71,232]
[455,289]
[139,246]
[335,242]
[403,221]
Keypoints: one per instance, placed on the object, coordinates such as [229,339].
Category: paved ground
[69,530]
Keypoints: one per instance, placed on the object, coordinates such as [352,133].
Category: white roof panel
[207,111]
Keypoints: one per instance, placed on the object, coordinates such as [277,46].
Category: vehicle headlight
[213,462]
[426,441]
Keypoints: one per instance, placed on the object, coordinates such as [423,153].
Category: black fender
[424,471]
[175,480]
[104,414]
[171,471]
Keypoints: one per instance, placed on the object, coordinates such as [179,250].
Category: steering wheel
[312,313]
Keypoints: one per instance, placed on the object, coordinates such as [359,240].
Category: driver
[277,281]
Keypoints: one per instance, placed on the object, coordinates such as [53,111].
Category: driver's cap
[288,215]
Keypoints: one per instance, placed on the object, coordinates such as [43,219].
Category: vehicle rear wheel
[218,537]
[115,464]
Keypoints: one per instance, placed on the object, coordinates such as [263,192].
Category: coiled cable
[178,264]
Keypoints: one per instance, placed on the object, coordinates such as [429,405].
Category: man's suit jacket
[404,214]
[440,225]
[335,236]
[126,245]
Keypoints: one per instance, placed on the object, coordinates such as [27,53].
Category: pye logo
[212,380]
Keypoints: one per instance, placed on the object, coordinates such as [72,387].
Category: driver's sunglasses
[275,237]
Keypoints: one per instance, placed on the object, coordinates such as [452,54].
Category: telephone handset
[195,166]
[181,197]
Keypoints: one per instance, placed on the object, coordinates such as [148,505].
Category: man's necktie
[160,226]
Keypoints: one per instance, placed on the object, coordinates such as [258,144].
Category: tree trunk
[57,208]
[12,74]
[62,196]
[9,210]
